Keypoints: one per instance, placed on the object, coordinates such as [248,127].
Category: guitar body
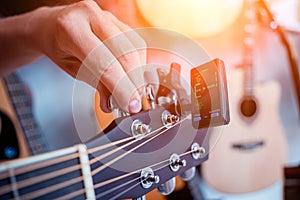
[7,112]
[20,135]
[251,152]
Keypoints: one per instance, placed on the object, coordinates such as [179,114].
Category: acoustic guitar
[251,153]
[252,150]
[132,156]
[20,135]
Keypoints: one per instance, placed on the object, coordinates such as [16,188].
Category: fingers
[109,55]
[126,45]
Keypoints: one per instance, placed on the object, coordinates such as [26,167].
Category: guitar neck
[21,102]
[62,174]
[249,42]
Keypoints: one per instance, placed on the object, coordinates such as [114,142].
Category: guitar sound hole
[248,107]
[9,146]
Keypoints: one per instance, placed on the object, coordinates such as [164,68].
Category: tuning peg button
[167,187]
[188,174]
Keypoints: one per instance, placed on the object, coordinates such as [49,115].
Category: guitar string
[53,188]
[71,156]
[75,180]
[102,156]
[47,190]
[104,183]
[140,181]
[115,188]
[146,141]
[34,180]
[105,146]
[121,193]
[123,184]
[33,167]
[97,170]
[30,168]
[71,195]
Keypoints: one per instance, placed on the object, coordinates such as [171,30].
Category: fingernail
[134,106]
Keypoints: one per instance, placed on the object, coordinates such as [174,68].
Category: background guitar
[250,155]
[252,150]
[20,135]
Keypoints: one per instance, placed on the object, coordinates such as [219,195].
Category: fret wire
[71,195]
[95,171]
[40,178]
[52,188]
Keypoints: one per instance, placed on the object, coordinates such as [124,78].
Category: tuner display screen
[209,95]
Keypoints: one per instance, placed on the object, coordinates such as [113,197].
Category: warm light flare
[196,18]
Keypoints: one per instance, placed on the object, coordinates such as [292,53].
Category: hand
[92,45]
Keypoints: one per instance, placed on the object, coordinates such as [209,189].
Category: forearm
[15,7]
[16,47]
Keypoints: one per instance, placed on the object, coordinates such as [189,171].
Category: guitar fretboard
[21,102]
[62,174]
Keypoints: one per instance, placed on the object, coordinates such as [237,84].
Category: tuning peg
[169,119]
[139,129]
[150,96]
[167,187]
[115,109]
[140,198]
[188,174]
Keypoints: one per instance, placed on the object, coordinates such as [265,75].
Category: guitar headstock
[148,149]
[140,152]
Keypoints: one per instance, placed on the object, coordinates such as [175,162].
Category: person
[69,35]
